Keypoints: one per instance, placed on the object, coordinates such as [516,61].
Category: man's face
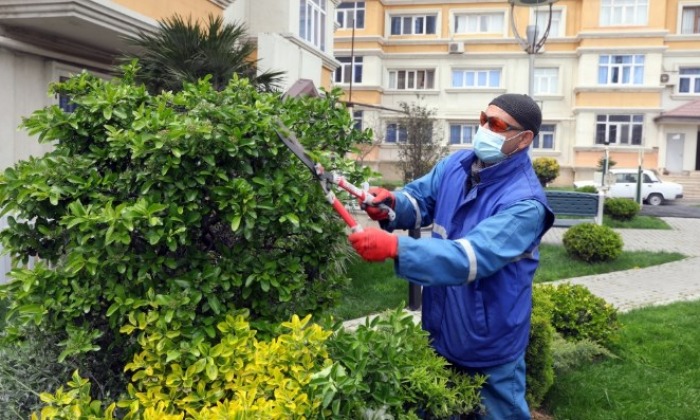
[502,123]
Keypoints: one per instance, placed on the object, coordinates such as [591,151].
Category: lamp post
[534,41]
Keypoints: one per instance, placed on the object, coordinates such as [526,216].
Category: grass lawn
[657,374]
[375,288]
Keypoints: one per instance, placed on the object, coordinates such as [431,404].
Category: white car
[623,183]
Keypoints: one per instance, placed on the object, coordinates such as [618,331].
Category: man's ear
[526,140]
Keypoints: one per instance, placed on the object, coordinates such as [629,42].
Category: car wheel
[655,199]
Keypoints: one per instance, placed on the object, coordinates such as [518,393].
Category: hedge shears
[326,178]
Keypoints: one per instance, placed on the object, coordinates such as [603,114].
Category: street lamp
[534,41]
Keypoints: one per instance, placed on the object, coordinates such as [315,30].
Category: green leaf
[235,223]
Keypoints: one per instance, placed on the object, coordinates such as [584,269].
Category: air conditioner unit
[667,79]
[456,47]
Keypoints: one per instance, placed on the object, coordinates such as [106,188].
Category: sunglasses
[496,124]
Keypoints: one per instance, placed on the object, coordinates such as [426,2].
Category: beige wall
[159,9]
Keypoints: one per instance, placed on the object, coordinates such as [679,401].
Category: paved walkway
[636,288]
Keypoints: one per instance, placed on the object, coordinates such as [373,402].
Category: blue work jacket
[478,267]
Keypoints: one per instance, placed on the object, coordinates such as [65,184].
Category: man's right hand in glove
[382,197]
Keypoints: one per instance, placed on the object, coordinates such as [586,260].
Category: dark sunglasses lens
[495,124]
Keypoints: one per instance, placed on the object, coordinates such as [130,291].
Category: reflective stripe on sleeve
[471,257]
[416,209]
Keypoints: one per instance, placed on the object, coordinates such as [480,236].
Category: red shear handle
[343,212]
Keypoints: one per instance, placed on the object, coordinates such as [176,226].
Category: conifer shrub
[621,208]
[592,243]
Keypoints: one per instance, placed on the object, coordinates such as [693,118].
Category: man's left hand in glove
[374,244]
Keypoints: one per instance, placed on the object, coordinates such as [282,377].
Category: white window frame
[401,131]
[312,22]
[693,81]
[477,75]
[620,129]
[695,25]
[546,81]
[357,118]
[545,131]
[345,14]
[621,70]
[486,22]
[466,133]
[413,19]
[411,78]
[540,16]
[345,70]
[624,12]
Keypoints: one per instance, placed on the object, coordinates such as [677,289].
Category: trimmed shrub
[546,169]
[578,314]
[587,189]
[621,208]
[592,243]
[539,356]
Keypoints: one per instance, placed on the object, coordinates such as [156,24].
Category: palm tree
[185,51]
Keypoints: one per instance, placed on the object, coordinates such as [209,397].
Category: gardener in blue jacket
[488,212]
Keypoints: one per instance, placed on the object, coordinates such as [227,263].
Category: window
[541,19]
[545,138]
[623,12]
[64,101]
[413,25]
[349,11]
[619,129]
[312,22]
[689,80]
[479,23]
[357,120]
[395,133]
[462,133]
[621,70]
[690,20]
[349,70]
[546,81]
[483,78]
[411,79]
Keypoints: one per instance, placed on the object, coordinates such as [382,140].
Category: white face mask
[488,145]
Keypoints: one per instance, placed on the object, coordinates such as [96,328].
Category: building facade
[621,74]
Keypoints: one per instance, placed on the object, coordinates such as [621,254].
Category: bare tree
[423,147]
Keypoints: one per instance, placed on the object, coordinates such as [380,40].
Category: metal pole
[414,290]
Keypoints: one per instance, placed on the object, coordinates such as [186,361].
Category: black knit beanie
[522,108]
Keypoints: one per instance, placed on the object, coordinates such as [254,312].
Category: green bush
[546,168]
[538,357]
[587,189]
[621,208]
[159,221]
[578,314]
[592,243]
[385,369]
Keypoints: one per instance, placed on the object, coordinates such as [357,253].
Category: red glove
[381,196]
[375,244]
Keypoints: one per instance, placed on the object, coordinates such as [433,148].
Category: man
[488,212]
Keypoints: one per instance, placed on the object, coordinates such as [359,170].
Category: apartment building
[42,41]
[621,74]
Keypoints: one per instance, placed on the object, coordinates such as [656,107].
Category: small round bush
[592,243]
[546,169]
[587,189]
[578,314]
[621,208]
